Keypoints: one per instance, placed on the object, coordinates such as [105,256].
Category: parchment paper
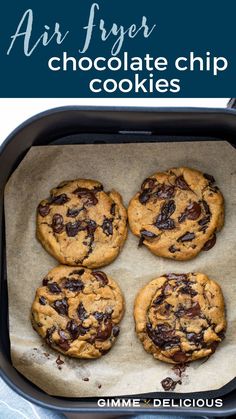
[127,368]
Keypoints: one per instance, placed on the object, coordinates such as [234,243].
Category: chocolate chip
[168,224]
[57,223]
[162,336]
[177,277]
[42,301]
[62,334]
[107,227]
[98,188]
[163,221]
[210,243]
[158,300]
[77,272]
[167,307]
[45,281]
[182,217]
[144,196]
[104,331]
[141,240]
[64,344]
[168,208]
[213,346]
[180,312]
[221,334]
[173,249]
[43,210]
[83,330]
[148,183]
[196,338]
[214,189]
[169,384]
[206,207]
[179,356]
[115,331]
[82,313]
[73,212]
[72,229]
[101,277]
[74,284]
[113,209]
[73,329]
[147,235]
[187,289]
[61,306]
[59,199]
[187,237]
[54,288]
[165,192]
[88,195]
[210,178]
[205,220]
[181,183]
[193,311]
[193,211]
[91,227]
[49,334]
[98,316]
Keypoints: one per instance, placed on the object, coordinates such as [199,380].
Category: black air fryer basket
[82,125]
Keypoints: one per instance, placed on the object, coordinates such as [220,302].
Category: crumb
[46,354]
[169,384]
[59,362]
[179,369]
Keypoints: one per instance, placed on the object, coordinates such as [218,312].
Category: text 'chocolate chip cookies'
[80,224]
[77,311]
[177,213]
[180,317]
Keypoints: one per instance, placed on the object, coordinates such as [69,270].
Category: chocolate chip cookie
[177,213]
[80,224]
[180,317]
[77,311]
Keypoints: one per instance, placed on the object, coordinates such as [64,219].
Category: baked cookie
[177,213]
[180,317]
[77,311]
[80,224]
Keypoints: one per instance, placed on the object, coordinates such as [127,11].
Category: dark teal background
[182,26]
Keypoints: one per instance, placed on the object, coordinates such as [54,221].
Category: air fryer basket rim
[184,118]
[162,111]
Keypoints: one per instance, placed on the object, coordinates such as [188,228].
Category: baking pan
[84,125]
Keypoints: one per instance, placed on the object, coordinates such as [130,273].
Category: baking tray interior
[15,149]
